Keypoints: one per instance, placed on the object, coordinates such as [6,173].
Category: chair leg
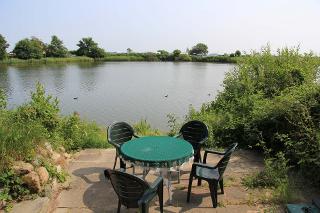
[133,170]
[199,181]
[221,186]
[213,191]
[179,175]
[115,162]
[119,206]
[189,188]
[144,208]
[160,195]
[122,164]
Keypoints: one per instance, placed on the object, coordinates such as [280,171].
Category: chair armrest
[147,197]
[214,152]
[151,192]
[208,151]
[203,166]
[136,136]
[156,183]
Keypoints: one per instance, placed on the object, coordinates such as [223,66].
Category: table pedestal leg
[169,187]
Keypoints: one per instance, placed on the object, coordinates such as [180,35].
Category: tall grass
[13,61]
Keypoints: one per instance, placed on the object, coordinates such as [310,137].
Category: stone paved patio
[90,192]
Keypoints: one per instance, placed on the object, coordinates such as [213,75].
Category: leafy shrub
[54,173]
[12,187]
[270,102]
[18,140]
[42,108]
[184,57]
[29,48]
[275,174]
[144,128]
[3,101]
[78,134]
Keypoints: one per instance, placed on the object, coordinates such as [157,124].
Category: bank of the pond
[121,57]
[16,61]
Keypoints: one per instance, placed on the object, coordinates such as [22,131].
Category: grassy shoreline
[113,58]
[13,61]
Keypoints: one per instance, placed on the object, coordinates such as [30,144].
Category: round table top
[157,151]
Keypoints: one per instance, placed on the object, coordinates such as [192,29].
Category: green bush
[29,48]
[78,134]
[144,128]
[274,174]
[12,187]
[41,108]
[184,57]
[272,103]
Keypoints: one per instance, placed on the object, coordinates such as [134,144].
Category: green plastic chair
[134,192]
[119,133]
[212,174]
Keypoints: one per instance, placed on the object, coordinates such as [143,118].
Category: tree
[200,49]
[56,48]
[3,46]
[29,48]
[176,53]
[237,53]
[87,47]
[163,55]
[129,50]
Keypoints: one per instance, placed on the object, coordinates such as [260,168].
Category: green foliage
[144,128]
[79,135]
[3,101]
[173,124]
[237,53]
[184,57]
[150,56]
[274,175]
[12,187]
[176,53]
[163,55]
[270,102]
[42,108]
[200,49]
[29,48]
[122,58]
[49,60]
[56,48]
[18,139]
[26,128]
[3,47]
[54,173]
[216,59]
[89,48]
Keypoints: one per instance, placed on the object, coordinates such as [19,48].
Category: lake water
[119,91]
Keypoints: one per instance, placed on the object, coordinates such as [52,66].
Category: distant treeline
[33,50]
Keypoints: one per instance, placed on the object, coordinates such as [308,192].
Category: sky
[150,25]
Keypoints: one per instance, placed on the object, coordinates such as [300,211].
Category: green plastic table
[158,152]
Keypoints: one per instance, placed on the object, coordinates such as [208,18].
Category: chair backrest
[120,132]
[129,188]
[194,132]
[222,164]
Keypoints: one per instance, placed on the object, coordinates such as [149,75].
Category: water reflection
[115,91]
